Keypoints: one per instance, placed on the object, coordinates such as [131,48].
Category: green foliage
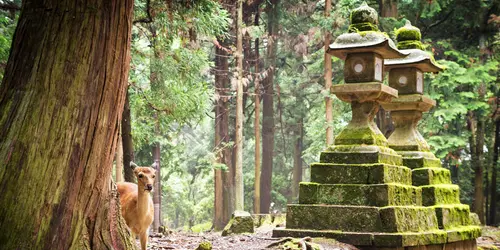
[8,22]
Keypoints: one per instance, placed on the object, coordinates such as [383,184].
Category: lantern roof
[364,36]
[408,38]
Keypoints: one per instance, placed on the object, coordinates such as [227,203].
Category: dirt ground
[262,240]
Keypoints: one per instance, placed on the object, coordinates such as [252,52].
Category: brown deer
[136,202]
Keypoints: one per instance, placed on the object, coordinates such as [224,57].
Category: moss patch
[464,233]
[359,136]
[354,154]
[363,14]
[421,162]
[204,245]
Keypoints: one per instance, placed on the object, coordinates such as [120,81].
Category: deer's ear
[154,166]
[133,165]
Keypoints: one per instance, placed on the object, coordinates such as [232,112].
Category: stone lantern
[406,75]
[360,192]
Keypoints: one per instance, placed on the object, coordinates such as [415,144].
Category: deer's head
[145,176]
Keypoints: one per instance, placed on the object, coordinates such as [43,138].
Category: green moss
[296,245]
[362,135]
[463,233]
[308,192]
[421,162]
[410,45]
[359,27]
[205,245]
[364,14]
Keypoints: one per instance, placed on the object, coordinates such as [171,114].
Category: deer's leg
[144,240]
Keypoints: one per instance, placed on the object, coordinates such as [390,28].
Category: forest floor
[262,239]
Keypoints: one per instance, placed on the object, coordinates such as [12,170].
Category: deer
[136,202]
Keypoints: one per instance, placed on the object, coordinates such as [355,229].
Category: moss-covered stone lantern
[360,192]
[406,75]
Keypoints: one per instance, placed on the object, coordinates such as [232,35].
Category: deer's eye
[141,175]
[154,176]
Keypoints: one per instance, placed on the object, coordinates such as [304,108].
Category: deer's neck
[142,202]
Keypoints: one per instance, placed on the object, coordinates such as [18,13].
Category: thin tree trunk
[60,103]
[127,143]
[268,108]
[297,160]
[157,185]
[238,175]
[476,141]
[218,222]
[496,149]
[119,158]
[256,199]
[328,81]
[388,8]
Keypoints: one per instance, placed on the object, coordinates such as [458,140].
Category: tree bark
[268,107]
[328,81]
[223,149]
[297,160]
[496,149]
[127,142]
[256,199]
[60,103]
[388,8]
[119,158]
[476,141]
[238,174]
[157,184]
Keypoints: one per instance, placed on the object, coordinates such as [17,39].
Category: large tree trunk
[238,165]
[223,203]
[60,103]
[127,143]
[328,81]
[256,197]
[268,108]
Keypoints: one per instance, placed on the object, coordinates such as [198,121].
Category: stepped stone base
[463,238]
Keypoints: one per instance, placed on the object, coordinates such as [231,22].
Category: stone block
[463,233]
[325,173]
[353,238]
[430,176]
[333,217]
[421,162]
[241,222]
[410,239]
[355,154]
[408,219]
[440,194]
[450,216]
[378,195]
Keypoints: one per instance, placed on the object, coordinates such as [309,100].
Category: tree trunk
[388,8]
[238,174]
[119,158]
[297,160]
[496,149]
[60,103]
[268,108]
[157,185]
[328,81]
[222,129]
[476,126]
[128,145]
[256,199]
